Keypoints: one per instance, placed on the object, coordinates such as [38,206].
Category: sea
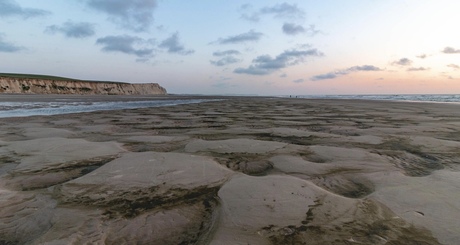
[24,107]
[442,98]
[65,106]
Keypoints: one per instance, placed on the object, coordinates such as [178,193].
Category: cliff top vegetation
[47,77]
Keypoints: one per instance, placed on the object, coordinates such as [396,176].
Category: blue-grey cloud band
[265,64]
[9,8]
[134,15]
[72,29]
[335,74]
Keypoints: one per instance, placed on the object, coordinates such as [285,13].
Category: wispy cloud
[265,64]
[135,15]
[283,10]
[225,61]
[248,13]
[422,56]
[8,47]
[298,81]
[173,45]
[454,66]
[335,74]
[227,57]
[450,50]
[407,62]
[226,52]
[293,29]
[250,36]
[325,76]
[72,29]
[128,45]
[364,68]
[418,69]
[9,8]
[402,62]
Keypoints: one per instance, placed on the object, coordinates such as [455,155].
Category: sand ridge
[236,171]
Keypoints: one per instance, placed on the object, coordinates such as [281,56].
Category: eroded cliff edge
[49,86]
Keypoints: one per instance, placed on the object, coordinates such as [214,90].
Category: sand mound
[286,210]
[137,182]
[49,161]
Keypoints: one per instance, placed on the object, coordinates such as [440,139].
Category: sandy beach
[243,170]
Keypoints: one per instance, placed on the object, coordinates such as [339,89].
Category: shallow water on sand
[54,106]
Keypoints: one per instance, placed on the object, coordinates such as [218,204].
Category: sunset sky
[240,47]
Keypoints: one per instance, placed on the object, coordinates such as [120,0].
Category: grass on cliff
[47,77]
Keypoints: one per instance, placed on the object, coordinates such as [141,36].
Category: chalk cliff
[49,86]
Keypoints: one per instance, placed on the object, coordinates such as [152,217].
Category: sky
[302,47]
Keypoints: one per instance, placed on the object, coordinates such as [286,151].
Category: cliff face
[43,86]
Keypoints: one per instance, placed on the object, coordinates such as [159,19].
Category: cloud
[335,74]
[265,64]
[225,61]
[72,30]
[173,45]
[128,45]
[11,8]
[253,17]
[292,29]
[298,81]
[402,62]
[422,56]
[227,57]
[135,15]
[418,69]
[364,68]
[284,10]
[7,47]
[329,75]
[454,66]
[283,75]
[450,50]
[226,52]
[250,36]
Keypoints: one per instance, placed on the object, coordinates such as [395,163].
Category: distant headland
[43,84]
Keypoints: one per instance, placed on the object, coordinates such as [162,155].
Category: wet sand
[238,171]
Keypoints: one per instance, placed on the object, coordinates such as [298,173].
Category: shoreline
[258,170]
[37,98]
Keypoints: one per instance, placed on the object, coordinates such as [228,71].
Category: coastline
[435,98]
[120,102]
[260,170]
